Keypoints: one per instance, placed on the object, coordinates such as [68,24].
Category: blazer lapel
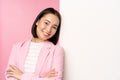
[24,52]
[45,50]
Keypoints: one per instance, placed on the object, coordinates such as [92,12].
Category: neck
[37,40]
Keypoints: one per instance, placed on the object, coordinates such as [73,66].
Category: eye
[46,23]
[54,27]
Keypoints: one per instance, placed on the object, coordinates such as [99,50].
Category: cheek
[41,26]
[53,32]
[38,30]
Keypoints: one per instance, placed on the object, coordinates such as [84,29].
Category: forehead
[51,17]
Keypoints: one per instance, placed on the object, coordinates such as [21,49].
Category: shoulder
[59,48]
[20,43]
[59,52]
[55,47]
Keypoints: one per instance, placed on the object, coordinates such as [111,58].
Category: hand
[14,72]
[51,73]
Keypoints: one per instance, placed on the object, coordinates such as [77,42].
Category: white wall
[91,39]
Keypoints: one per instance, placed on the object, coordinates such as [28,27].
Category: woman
[38,58]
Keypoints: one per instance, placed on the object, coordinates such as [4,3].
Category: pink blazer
[51,57]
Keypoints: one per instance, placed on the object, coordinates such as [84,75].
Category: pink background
[16,18]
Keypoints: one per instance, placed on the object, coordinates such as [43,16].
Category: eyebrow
[50,22]
[47,20]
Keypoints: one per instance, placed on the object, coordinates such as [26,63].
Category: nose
[49,28]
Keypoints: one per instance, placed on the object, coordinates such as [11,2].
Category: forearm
[28,76]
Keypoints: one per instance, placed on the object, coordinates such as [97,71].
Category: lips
[46,33]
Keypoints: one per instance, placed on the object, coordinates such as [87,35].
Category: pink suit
[51,57]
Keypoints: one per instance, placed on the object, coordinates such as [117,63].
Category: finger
[9,76]
[53,72]
[9,73]
[10,70]
[52,75]
[52,69]
[13,67]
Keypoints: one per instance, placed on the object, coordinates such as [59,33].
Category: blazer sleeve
[12,59]
[58,63]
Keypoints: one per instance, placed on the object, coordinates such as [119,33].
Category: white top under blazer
[32,57]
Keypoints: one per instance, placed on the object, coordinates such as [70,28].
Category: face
[47,26]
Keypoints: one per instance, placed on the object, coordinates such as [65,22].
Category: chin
[46,38]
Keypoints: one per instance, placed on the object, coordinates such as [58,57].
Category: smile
[46,34]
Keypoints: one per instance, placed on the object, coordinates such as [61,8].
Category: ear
[37,22]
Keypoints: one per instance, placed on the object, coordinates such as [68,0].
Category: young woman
[38,58]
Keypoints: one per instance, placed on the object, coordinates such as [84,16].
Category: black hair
[50,10]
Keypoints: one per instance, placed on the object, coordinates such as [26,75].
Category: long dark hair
[55,38]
